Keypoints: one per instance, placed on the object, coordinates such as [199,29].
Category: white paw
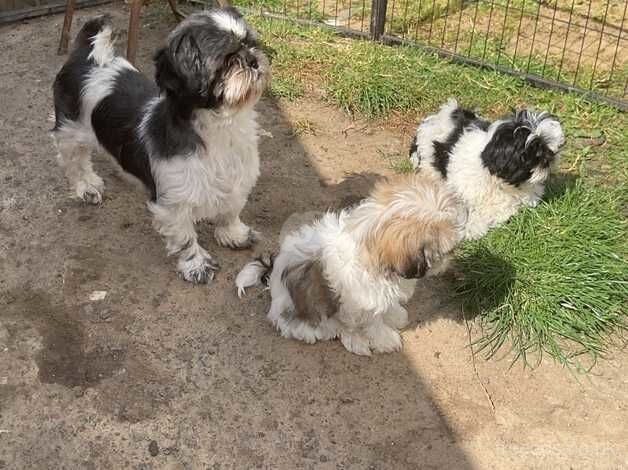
[356,344]
[397,317]
[384,339]
[236,236]
[198,269]
[91,191]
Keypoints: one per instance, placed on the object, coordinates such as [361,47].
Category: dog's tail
[254,273]
[96,39]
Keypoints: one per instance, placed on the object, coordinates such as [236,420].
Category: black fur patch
[462,118]
[170,132]
[71,78]
[116,119]
[413,148]
[507,155]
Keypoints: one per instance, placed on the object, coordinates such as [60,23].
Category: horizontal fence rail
[573,45]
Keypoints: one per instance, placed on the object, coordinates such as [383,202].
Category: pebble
[153,448]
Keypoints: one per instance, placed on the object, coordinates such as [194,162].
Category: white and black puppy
[192,138]
[347,274]
[496,168]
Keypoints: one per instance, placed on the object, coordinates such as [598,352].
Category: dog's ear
[179,68]
[166,75]
[506,154]
[522,145]
[409,248]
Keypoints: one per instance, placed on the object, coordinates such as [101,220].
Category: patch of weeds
[303,126]
[402,166]
[286,87]
[562,285]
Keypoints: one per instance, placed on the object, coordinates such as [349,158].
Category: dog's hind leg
[75,147]
[176,224]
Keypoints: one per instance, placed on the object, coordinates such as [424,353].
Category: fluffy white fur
[214,185]
[368,294]
[491,200]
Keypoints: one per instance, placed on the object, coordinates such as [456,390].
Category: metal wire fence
[576,45]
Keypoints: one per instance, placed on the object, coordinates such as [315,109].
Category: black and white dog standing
[495,167]
[192,138]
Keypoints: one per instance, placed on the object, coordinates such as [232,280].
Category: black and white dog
[496,168]
[192,138]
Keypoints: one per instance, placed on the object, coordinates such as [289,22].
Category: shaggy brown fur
[310,292]
[411,244]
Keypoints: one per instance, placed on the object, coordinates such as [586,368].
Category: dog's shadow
[478,281]
[559,184]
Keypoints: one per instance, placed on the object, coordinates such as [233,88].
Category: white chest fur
[218,177]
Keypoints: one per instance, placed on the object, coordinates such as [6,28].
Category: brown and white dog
[347,274]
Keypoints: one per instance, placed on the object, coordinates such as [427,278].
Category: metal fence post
[378,18]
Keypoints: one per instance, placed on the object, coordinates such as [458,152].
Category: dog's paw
[198,269]
[356,344]
[237,237]
[90,192]
[397,317]
[384,339]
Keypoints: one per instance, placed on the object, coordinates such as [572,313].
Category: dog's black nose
[252,62]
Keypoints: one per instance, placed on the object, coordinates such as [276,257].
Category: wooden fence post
[378,18]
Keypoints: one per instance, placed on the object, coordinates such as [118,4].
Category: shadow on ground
[92,383]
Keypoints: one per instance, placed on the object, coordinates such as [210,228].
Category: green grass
[376,81]
[553,279]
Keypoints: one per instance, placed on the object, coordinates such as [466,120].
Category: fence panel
[577,45]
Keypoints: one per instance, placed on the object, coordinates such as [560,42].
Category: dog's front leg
[176,225]
[233,233]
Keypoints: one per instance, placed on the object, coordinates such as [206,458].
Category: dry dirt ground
[161,374]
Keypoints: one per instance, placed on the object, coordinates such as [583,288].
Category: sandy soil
[161,374]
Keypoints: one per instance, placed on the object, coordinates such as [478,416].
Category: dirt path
[197,377]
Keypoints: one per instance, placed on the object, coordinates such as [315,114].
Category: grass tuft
[554,279]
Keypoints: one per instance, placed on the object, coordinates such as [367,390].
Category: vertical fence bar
[536,24]
[378,18]
[418,22]
[405,19]
[363,15]
[549,41]
[501,39]
[475,19]
[562,57]
[429,36]
[461,6]
[621,30]
[599,46]
[442,39]
[514,56]
[488,29]
[391,21]
[584,37]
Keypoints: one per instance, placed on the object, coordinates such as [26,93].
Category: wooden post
[67,25]
[134,30]
[378,18]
